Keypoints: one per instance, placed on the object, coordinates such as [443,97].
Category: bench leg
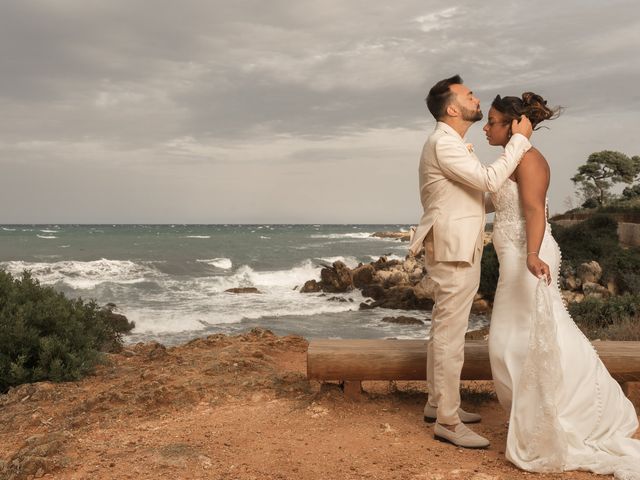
[353,389]
[632,391]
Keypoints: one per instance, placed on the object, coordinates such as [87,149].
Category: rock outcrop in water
[405,284]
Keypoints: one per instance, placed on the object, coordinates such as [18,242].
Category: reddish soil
[236,408]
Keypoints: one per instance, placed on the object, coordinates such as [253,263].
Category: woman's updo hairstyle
[531,104]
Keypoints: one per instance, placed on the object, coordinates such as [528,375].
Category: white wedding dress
[566,411]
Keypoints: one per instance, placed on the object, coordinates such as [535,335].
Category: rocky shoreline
[405,284]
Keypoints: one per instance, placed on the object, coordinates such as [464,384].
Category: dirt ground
[236,408]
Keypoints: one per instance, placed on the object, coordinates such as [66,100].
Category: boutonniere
[470,147]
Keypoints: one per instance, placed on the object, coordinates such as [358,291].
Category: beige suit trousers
[457,284]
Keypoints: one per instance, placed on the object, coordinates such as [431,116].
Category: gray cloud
[113,93]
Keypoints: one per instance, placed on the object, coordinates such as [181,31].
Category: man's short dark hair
[440,96]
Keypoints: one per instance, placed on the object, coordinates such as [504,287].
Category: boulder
[363,275]
[397,278]
[409,265]
[425,288]
[480,306]
[243,290]
[336,279]
[383,264]
[402,320]
[403,236]
[572,297]
[589,272]
[403,298]
[374,291]
[416,275]
[310,286]
[595,290]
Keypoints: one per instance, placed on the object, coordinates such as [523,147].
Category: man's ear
[452,110]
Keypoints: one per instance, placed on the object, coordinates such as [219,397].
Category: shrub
[616,318]
[597,239]
[601,313]
[46,336]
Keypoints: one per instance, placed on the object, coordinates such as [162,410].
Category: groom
[452,186]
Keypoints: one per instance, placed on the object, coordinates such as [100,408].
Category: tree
[602,170]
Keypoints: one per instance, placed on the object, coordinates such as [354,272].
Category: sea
[171,280]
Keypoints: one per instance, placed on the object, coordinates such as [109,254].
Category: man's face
[466,103]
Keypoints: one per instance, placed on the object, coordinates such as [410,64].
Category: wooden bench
[354,361]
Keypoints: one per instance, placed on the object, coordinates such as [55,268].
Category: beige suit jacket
[452,186]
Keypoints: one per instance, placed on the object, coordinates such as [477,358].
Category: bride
[566,411]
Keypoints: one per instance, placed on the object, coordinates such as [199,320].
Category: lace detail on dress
[509,219]
[541,379]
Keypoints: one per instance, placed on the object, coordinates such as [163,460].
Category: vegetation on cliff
[47,336]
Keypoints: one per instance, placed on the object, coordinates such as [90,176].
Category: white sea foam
[393,256]
[48,237]
[49,231]
[224,263]
[8,229]
[265,238]
[84,275]
[197,236]
[343,235]
[245,276]
[351,262]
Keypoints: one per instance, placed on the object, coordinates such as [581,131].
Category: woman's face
[497,128]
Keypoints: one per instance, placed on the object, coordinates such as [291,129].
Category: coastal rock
[403,236]
[589,272]
[409,265]
[310,286]
[383,264]
[243,290]
[416,276]
[425,288]
[392,278]
[336,279]
[363,275]
[403,298]
[374,291]
[480,306]
[402,320]
[572,297]
[595,290]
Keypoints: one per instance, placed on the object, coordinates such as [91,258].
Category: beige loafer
[461,436]
[431,413]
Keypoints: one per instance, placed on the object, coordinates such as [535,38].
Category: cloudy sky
[285,111]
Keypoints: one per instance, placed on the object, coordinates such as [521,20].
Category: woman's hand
[537,267]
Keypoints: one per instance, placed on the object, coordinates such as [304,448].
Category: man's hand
[538,268]
[522,126]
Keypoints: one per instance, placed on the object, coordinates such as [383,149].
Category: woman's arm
[532,176]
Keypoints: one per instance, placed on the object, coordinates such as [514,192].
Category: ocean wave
[197,236]
[246,276]
[181,314]
[84,275]
[8,229]
[265,238]
[343,235]
[48,237]
[50,231]
[224,263]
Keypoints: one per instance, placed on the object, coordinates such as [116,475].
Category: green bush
[589,240]
[597,239]
[616,318]
[46,336]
